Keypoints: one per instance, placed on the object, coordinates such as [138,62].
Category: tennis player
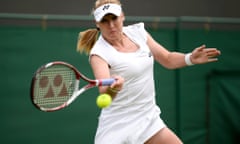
[127,53]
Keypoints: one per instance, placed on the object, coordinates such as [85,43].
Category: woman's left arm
[173,60]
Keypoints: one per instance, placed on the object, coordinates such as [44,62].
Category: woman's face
[111,26]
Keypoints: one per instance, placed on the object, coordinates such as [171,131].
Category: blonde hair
[87,38]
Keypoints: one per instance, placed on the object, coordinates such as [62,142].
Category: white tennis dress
[133,117]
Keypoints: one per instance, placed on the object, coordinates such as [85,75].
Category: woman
[127,53]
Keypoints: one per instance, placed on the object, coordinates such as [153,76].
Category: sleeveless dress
[133,117]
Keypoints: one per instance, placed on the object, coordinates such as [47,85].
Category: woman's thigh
[164,136]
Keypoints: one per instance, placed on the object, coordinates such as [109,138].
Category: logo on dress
[149,54]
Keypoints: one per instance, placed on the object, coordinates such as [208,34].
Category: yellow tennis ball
[104,100]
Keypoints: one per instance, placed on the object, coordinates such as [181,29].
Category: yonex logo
[106,7]
[51,88]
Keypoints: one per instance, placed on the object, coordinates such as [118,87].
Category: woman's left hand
[203,55]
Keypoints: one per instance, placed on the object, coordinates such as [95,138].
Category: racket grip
[106,82]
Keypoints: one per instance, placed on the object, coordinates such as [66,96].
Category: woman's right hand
[118,84]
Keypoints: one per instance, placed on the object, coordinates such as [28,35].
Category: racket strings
[54,86]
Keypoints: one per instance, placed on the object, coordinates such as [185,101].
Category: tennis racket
[57,84]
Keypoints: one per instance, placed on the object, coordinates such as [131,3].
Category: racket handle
[106,82]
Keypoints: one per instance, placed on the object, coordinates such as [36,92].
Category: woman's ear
[97,25]
[123,15]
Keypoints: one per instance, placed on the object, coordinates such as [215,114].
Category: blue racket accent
[106,82]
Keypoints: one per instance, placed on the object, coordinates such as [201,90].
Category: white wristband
[188,60]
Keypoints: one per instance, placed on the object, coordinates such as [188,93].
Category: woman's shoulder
[139,25]
[136,30]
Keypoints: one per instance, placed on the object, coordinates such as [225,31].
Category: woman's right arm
[101,71]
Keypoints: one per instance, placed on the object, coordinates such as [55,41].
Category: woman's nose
[111,23]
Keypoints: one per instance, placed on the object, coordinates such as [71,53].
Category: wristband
[188,60]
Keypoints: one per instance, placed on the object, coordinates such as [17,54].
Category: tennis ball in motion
[104,100]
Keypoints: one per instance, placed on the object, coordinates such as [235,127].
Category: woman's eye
[114,17]
[103,20]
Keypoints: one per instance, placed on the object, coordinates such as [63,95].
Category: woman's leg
[164,136]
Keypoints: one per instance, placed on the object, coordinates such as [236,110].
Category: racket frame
[77,92]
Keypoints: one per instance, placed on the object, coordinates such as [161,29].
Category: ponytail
[86,40]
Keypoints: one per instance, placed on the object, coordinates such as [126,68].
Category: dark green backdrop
[182,94]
